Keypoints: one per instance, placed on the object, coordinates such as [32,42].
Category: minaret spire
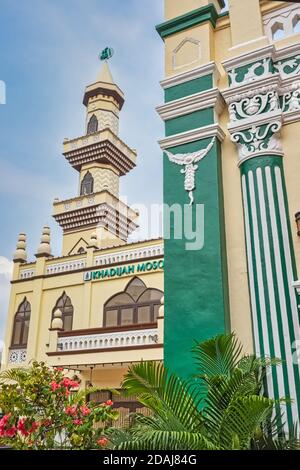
[96,215]
[105,74]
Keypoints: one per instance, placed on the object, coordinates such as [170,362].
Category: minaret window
[136,305]
[21,325]
[64,304]
[87,184]
[92,125]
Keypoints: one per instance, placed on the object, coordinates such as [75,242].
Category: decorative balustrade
[17,356]
[66,266]
[127,255]
[27,273]
[100,260]
[108,340]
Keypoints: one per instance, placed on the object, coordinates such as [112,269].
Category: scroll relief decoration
[246,105]
[291,97]
[258,139]
[252,74]
[189,160]
[289,67]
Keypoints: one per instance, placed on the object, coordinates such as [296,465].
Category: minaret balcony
[103,147]
[97,209]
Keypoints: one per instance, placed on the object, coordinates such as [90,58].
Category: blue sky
[49,51]
[48,55]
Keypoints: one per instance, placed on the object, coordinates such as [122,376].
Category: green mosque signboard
[125,270]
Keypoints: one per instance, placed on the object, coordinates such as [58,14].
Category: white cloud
[6,267]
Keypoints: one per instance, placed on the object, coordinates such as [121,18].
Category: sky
[49,53]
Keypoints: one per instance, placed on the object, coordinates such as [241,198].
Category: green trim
[188,20]
[190,121]
[289,373]
[189,88]
[196,289]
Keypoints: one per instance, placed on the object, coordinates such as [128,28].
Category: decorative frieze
[289,67]
[257,71]
[104,341]
[17,356]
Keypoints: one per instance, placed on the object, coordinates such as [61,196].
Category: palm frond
[217,356]
[14,375]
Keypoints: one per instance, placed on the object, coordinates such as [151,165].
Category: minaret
[101,158]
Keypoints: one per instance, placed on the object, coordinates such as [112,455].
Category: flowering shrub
[43,409]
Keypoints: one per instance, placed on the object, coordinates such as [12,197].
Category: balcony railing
[108,338]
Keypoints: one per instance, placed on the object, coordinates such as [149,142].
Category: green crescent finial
[106,54]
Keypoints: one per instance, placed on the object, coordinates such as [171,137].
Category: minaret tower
[100,157]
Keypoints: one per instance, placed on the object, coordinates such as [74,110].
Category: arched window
[21,325]
[92,125]
[135,305]
[87,184]
[64,304]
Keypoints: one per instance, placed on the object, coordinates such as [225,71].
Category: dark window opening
[21,325]
[64,304]
[136,305]
[92,125]
[87,184]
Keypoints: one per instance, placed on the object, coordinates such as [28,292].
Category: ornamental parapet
[102,146]
[108,338]
[132,252]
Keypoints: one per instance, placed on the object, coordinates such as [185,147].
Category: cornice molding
[257,120]
[188,20]
[288,51]
[202,71]
[249,58]
[203,100]
[259,86]
[213,130]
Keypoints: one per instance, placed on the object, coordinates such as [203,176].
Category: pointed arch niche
[21,325]
[136,305]
[64,304]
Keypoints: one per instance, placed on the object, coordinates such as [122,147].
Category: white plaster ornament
[189,160]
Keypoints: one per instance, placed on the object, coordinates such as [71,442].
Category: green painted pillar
[196,290]
[271,263]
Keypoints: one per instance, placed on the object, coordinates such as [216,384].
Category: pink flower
[78,422]
[85,410]
[4,420]
[22,427]
[59,369]
[26,428]
[71,410]
[102,442]
[11,432]
[54,386]
[109,403]
[68,383]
